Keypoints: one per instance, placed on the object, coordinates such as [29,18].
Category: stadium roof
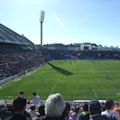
[9,36]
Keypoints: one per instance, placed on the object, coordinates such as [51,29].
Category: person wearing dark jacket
[95,111]
[19,113]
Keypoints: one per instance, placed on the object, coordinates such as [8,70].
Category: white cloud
[59,21]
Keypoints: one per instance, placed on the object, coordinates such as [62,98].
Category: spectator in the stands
[19,113]
[36,100]
[117,108]
[33,113]
[75,113]
[54,107]
[84,115]
[95,111]
[41,112]
[109,106]
[19,62]
[66,111]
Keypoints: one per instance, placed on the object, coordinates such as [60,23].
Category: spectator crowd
[18,62]
[55,108]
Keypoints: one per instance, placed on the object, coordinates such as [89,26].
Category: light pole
[42,16]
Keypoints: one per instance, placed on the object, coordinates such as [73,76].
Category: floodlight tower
[42,16]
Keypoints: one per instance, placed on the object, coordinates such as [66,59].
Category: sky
[66,21]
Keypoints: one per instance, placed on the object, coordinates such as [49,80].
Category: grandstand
[13,41]
[17,54]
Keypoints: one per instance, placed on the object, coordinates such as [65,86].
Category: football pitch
[74,79]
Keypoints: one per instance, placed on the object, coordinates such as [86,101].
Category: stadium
[83,71]
[90,71]
[71,74]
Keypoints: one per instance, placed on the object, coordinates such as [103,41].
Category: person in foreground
[95,111]
[54,107]
[19,105]
[109,112]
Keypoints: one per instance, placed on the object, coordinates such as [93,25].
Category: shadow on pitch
[61,70]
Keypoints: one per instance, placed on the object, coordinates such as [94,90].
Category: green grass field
[74,79]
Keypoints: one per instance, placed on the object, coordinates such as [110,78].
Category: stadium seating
[19,62]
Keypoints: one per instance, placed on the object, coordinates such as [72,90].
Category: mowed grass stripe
[74,79]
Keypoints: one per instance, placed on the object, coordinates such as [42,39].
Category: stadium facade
[81,47]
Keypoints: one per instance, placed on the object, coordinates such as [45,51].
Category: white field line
[95,94]
[54,86]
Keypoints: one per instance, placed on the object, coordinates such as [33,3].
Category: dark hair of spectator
[21,92]
[34,93]
[109,104]
[67,107]
[66,110]
[85,107]
[95,108]
[77,108]
[32,107]
[41,110]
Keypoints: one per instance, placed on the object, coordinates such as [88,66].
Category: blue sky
[66,21]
